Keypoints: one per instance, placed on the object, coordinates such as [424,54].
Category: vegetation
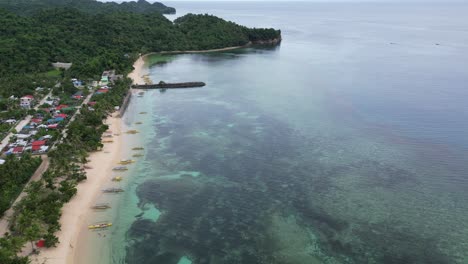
[88,6]
[108,41]
[15,173]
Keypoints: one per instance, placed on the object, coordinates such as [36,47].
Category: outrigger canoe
[126,162]
[120,168]
[138,148]
[100,226]
[101,206]
[117,178]
[113,190]
[137,155]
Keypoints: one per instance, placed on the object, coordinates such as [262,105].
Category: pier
[163,85]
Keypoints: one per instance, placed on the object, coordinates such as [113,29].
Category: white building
[26,101]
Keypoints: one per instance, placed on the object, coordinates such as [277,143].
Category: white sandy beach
[138,73]
[75,212]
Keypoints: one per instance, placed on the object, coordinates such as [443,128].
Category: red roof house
[102,90]
[38,143]
[61,106]
[53,126]
[36,120]
[61,115]
[92,103]
[18,150]
[35,148]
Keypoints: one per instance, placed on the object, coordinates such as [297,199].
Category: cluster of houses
[26,139]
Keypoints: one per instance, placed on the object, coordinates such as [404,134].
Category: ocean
[348,143]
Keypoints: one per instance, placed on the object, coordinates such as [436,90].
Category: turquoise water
[346,144]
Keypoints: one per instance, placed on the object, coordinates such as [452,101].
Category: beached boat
[137,155]
[113,190]
[101,206]
[117,178]
[108,141]
[100,225]
[126,162]
[138,148]
[120,168]
[132,131]
[107,136]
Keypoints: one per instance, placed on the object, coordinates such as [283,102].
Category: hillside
[96,42]
[29,7]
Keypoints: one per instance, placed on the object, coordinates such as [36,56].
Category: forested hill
[111,40]
[28,7]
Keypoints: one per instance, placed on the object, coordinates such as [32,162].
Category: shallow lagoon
[336,147]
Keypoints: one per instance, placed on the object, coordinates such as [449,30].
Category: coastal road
[5,220]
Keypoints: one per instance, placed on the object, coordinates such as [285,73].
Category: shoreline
[139,67]
[75,213]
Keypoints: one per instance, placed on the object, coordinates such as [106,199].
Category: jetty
[164,85]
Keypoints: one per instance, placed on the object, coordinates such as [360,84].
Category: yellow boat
[117,178]
[138,148]
[108,141]
[100,226]
[126,162]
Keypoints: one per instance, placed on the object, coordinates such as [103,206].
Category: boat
[100,225]
[113,190]
[108,141]
[132,132]
[126,162]
[117,178]
[143,113]
[138,123]
[107,136]
[137,155]
[138,148]
[101,206]
[120,168]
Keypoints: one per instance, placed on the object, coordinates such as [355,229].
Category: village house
[27,101]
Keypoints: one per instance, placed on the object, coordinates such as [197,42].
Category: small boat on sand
[107,136]
[117,178]
[100,225]
[120,168]
[108,141]
[126,162]
[113,190]
[132,131]
[101,206]
[137,155]
[138,148]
